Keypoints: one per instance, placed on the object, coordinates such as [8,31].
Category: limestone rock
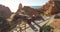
[28,10]
[5,11]
[51,7]
[19,8]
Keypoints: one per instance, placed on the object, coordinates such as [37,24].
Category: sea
[36,7]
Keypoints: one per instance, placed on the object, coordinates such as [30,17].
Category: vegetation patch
[57,16]
[46,28]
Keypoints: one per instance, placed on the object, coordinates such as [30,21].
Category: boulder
[5,11]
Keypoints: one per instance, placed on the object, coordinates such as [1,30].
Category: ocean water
[36,7]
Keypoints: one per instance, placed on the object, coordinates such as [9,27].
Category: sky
[13,4]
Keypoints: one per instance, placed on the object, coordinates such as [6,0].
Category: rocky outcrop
[52,7]
[30,11]
[19,8]
[5,11]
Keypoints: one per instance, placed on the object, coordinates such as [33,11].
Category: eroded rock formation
[19,8]
[28,10]
[5,11]
[31,11]
[52,7]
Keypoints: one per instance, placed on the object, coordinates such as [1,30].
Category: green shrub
[3,22]
[47,28]
[57,16]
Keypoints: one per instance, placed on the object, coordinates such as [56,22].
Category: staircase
[33,27]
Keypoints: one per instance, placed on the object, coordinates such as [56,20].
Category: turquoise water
[36,7]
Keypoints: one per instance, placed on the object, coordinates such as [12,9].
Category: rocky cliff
[52,7]
[31,11]
[28,10]
[5,11]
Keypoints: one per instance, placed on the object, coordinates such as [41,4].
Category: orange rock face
[52,7]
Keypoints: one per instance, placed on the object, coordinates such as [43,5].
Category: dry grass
[56,25]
